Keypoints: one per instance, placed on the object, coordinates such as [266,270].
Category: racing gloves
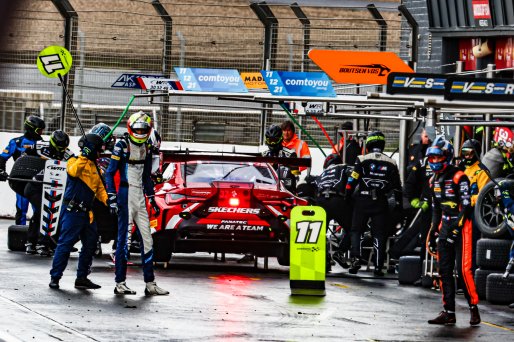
[153,203]
[417,204]
[453,235]
[112,203]
[3,176]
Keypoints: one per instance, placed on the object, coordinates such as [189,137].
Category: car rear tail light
[233,202]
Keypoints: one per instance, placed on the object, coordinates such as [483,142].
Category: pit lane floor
[215,301]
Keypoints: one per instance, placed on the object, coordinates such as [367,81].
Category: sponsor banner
[234,210]
[253,80]
[290,83]
[235,227]
[158,84]
[503,135]
[307,250]
[408,83]
[482,13]
[483,89]
[130,80]
[215,80]
[358,67]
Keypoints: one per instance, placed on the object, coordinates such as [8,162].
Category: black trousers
[35,199]
[460,254]
[365,208]
[339,210]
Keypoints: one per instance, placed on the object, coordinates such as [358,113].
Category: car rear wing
[181,156]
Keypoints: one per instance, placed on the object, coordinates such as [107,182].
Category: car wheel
[489,212]
[17,237]
[283,260]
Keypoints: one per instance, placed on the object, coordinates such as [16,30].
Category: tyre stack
[492,258]
[493,249]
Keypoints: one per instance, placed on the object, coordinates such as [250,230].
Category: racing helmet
[95,143]
[375,141]
[470,151]
[332,159]
[59,140]
[440,154]
[34,127]
[274,137]
[139,126]
[101,129]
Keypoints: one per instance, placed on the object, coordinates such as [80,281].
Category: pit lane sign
[290,83]
[214,80]
[307,251]
[358,67]
[409,83]
[484,89]
[130,80]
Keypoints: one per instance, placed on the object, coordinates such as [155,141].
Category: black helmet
[101,129]
[94,142]
[332,159]
[59,140]
[472,145]
[375,141]
[34,127]
[274,136]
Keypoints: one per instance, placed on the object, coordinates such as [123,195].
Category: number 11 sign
[307,251]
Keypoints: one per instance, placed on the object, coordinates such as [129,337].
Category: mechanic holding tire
[451,230]
[34,127]
[376,175]
[133,159]
[56,149]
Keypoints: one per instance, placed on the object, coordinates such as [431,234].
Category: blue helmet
[442,148]
[102,130]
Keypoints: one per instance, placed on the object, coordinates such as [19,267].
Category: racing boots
[153,290]
[378,272]
[30,249]
[355,266]
[444,318]
[123,289]
[54,283]
[338,256]
[44,251]
[85,283]
[475,315]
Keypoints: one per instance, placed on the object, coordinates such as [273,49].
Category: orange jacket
[300,147]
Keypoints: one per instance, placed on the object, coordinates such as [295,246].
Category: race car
[223,204]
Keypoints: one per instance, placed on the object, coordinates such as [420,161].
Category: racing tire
[25,167]
[427,281]
[163,245]
[489,212]
[481,281]
[17,237]
[500,290]
[493,254]
[409,269]
[284,260]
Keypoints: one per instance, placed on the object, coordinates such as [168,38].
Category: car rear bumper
[259,248]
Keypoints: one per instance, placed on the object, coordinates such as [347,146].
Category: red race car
[223,204]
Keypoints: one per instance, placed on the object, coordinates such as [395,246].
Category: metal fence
[151,37]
